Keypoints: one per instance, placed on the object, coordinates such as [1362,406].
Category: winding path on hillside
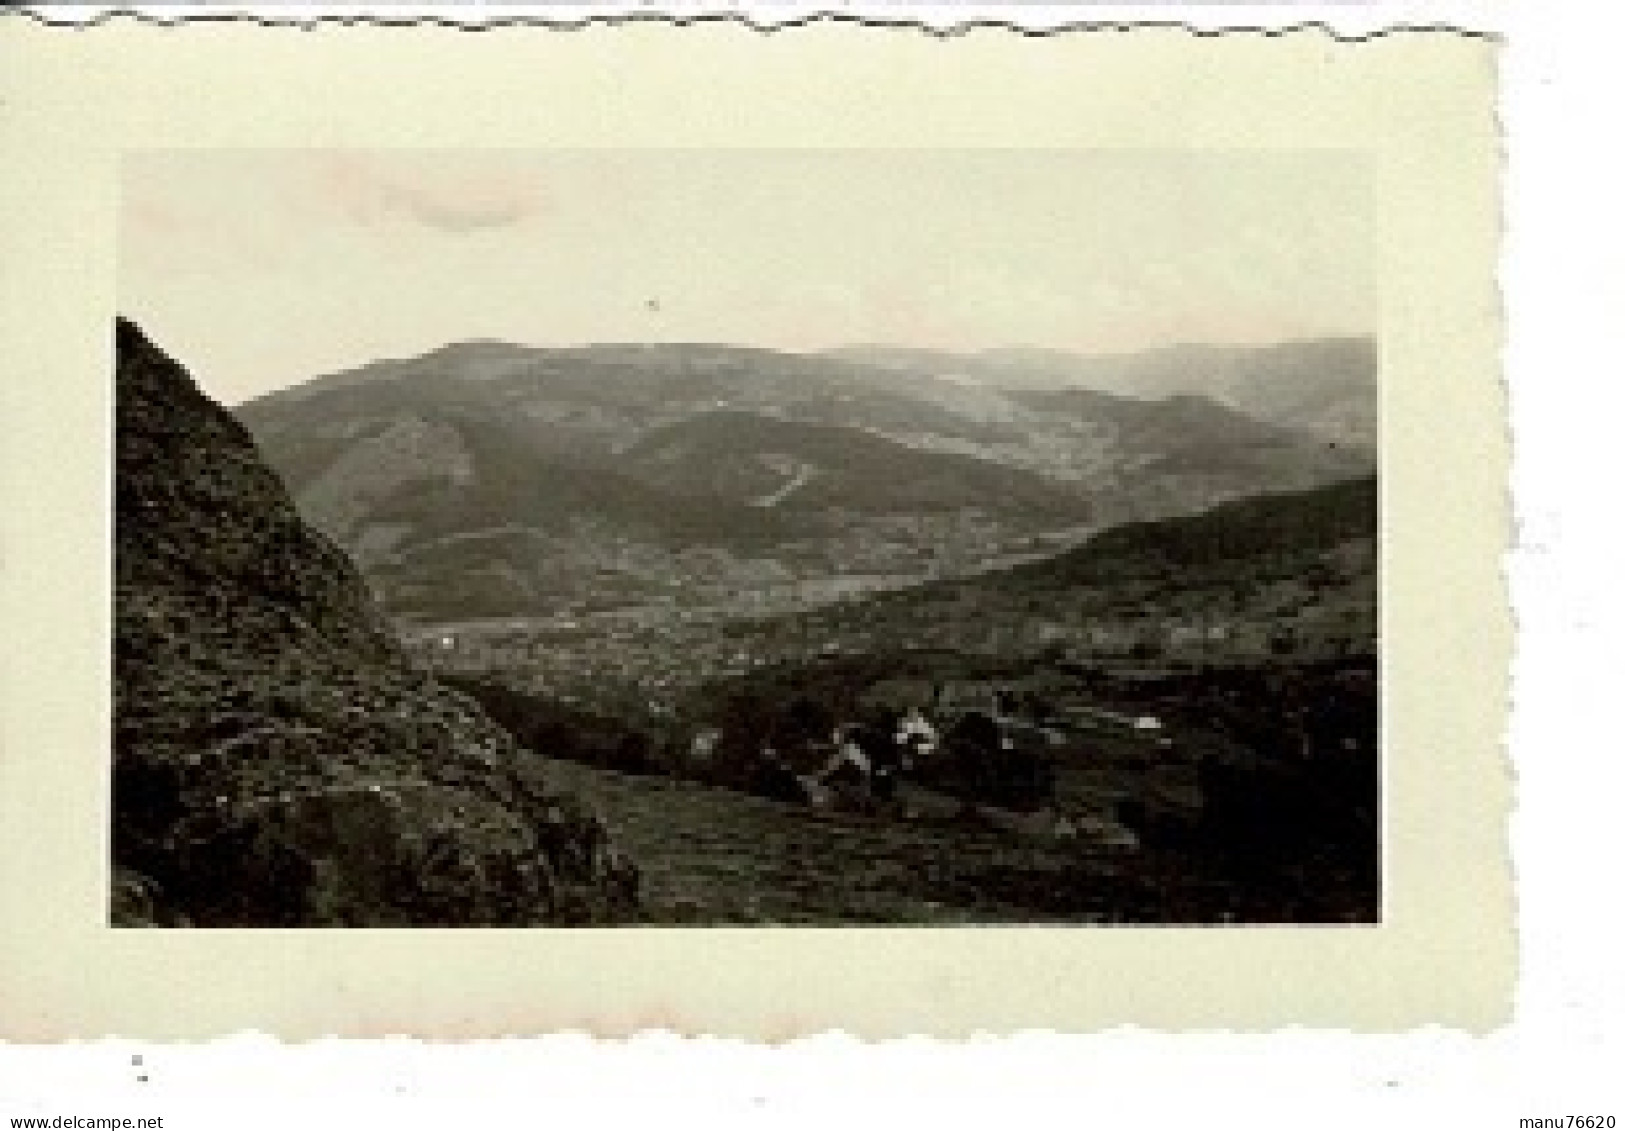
[803,475]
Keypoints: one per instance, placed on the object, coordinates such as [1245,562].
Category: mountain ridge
[614,458]
[1326,385]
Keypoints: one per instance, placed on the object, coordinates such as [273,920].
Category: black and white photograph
[669,478]
[696,537]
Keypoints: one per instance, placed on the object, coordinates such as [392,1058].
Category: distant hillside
[276,761]
[1264,526]
[478,474]
[1177,427]
[1184,439]
[790,465]
[1327,386]
[1273,577]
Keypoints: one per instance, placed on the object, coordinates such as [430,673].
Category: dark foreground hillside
[1254,799]
[276,760]
[719,857]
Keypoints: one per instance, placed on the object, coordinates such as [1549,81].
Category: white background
[1566,306]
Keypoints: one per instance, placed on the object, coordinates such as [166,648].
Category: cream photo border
[1418,104]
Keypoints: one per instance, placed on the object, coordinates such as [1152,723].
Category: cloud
[375,190]
[455,216]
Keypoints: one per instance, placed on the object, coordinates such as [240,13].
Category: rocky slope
[276,760]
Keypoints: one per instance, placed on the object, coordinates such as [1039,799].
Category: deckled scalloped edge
[485,19]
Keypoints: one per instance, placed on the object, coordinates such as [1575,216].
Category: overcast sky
[263,269]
